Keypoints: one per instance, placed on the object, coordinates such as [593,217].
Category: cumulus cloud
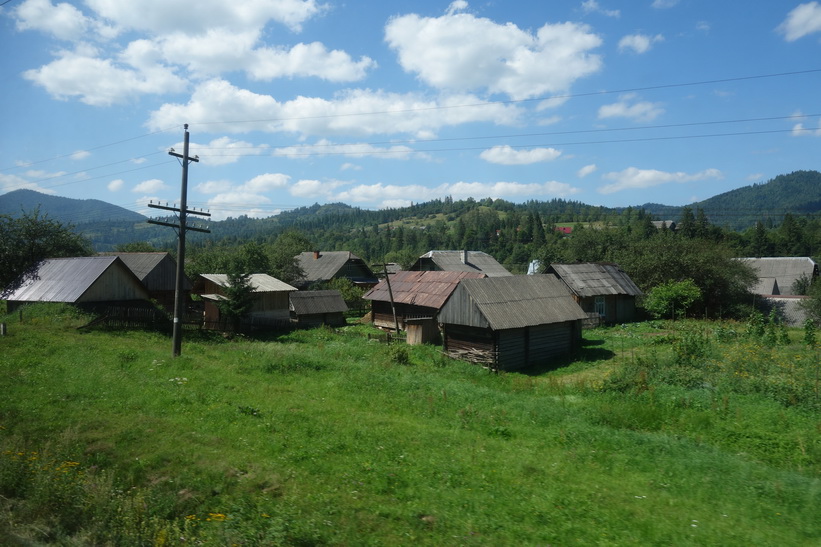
[63,21]
[633,178]
[9,183]
[506,155]
[802,20]
[325,147]
[799,130]
[664,4]
[80,155]
[150,186]
[461,52]
[348,113]
[116,185]
[639,43]
[629,107]
[222,151]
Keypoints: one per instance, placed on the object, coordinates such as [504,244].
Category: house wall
[334,319]
[270,305]
[382,315]
[114,285]
[618,308]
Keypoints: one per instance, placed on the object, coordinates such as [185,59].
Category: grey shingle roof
[777,274]
[595,279]
[157,271]
[454,261]
[428,289]
[260,282]
[325,265]
[511,302]
[311,302]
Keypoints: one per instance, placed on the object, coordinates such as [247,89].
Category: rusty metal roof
[511,302]
[68,279]
[428,289]
[595,279]
[311,302]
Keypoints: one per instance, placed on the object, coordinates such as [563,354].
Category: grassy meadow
[687,433]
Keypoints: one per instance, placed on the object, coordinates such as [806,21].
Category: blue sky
[380,104]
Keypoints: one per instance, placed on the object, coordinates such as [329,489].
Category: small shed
[601,289]
[509,323]
[270,305]
[777,275]
[416,295]
[323,266]
[460,261]
[315,308]
[80,280]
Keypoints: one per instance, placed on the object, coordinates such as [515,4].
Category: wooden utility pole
[179,291]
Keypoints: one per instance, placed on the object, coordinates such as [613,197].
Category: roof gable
[157,271]
[259,282]
[326,265]
[776,275]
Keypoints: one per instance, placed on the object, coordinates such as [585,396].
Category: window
[600,305]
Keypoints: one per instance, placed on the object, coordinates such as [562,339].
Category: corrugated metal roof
[595,279]
[325,265]
[311,302]
[518,301]
[428,289]
[66,279]
[454,261]
[260,282]
[779,273]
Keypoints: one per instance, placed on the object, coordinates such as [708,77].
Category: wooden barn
[315,308]
[81,280]
[460,261]
[271,305]
[509,323]
[158,272]
[322,266]
[416,296]
[603,290]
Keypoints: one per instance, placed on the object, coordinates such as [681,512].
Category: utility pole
[179,292]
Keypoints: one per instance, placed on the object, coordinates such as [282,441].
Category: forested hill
[798,193]
[65,210]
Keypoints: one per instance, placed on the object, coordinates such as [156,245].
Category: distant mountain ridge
[65,210]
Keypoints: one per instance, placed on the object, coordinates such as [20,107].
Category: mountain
[798,193]
[65,210]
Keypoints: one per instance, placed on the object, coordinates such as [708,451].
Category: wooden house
[315,308]
[603,290]
[778,275]
[158,272]
[270,306]
[323,266]
[509,323]
[416,296]
[460,261]
[81,280]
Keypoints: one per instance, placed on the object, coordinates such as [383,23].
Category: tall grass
[650,435]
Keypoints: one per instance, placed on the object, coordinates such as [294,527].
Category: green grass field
[690,433]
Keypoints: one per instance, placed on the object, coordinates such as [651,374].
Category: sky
[383,104]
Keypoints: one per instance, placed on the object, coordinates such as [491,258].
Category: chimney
[464,257]
[316,255]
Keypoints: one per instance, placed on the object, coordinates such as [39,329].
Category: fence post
[2,329]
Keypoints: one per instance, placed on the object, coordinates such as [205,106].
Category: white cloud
[592,6]
[63,20]
[506,155]
[461,52]
[325,147]
[664,4]
[80,155]
[100,82]
[633,178]
[627,107]
[639,43]
[799,130]
[587,170]
[233,200]
[222,151]
[116,185]
[350,167]
[147,186]
[803,20]
[315,189]
[9,183]
[350,112]
[308,60]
